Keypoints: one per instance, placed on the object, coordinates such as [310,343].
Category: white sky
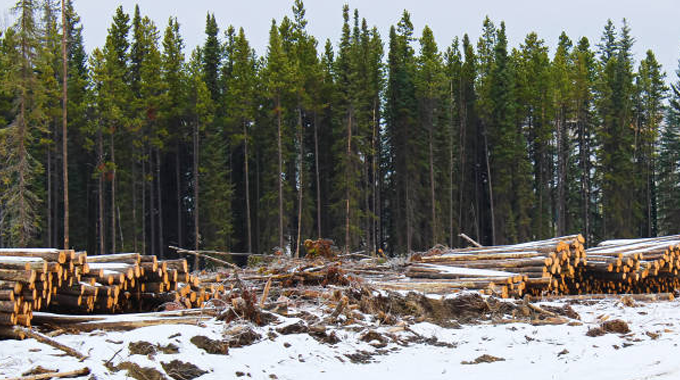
[654,22]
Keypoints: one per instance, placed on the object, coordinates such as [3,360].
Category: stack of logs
[73,282]
[555,266]
[632,266]
[512,270]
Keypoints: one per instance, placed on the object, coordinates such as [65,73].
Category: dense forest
[377,142]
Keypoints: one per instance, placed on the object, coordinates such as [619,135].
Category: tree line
[392,144]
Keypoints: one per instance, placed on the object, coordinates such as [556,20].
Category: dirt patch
[321,335]
[180,370]
[211,346]
[595,331]
[484,359]
[298,327]
[616,326]
[141,348]
[360,357]
[241,336]
[565,310]
[371,335]
[148,349]
[137,372]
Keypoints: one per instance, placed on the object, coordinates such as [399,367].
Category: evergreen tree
[277,76]
[507,151]
[651,92]
[400,118]
[201,111]
[621,209]
[20,171]
[583,78]
[173,115]
[669,166]
[240,98]
[430,92]
[534,92]
[79,142]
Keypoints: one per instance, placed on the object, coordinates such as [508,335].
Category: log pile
[539,267]
[632,266]
[559,266]
[75,283]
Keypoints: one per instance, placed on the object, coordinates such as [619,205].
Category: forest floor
[304,343]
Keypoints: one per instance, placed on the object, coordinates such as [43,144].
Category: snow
[19,259]
[530,352]
[28,250]
[472,272]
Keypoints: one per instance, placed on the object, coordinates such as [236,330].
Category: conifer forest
[378,142]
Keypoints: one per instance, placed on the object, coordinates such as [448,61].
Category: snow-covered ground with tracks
[649,351]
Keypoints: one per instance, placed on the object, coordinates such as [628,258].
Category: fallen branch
[204,255]
[469,239]
[49,341]
[79,372]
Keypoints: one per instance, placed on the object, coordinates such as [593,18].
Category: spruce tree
[430,91]
[669,166]
[651,92]
[20,171]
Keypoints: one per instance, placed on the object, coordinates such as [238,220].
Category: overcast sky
[654,23]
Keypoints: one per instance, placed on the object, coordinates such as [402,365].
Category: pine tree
[429,91]
[173,112]
[583,78]
[240,97]
[20,203]
[621,210]
[534,92]
[651,92]
[48,67]
[669,166]
[400,118]
[79,142]
[211,56]
[277,76]
[507,151]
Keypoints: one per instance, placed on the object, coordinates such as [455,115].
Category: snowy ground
[650,351]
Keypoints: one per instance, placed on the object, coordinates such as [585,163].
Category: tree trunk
[144,203]
[64,139]
[178,182]
[488,173]
[196,207]
[462,136]
[101,168]
[318,181]
[152,204]
[49,197]
[159,200]
[561,175]
[347,176]
[134,199]
[113,194]
[433,200]
[374,179]
[301,186]
[280,172]
[247,183]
